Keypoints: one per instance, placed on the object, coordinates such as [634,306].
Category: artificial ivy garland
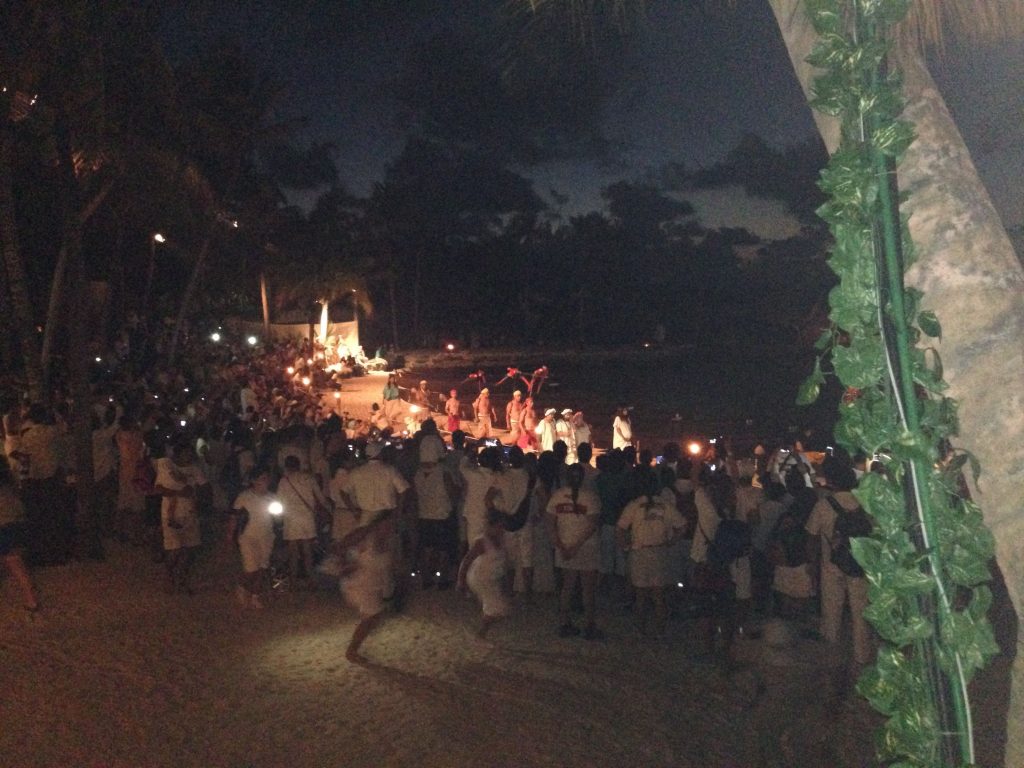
[927,561]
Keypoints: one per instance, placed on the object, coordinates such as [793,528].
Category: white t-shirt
[299,493]
[573,519]
[651,525]
[546,430]
[622,433]
[432,499]
[512,484]
[478,481]
[375,486]
[261,522]
[176,478]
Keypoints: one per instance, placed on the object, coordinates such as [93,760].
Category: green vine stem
[927,561]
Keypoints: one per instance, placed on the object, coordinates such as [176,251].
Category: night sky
[688,86]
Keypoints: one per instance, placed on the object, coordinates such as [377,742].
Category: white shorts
[255,552]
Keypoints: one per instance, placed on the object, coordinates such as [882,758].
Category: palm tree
[316,263]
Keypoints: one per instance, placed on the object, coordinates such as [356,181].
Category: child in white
[483,571]
[256,539]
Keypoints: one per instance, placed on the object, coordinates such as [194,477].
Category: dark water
[748,394]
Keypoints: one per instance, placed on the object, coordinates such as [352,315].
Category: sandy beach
[116,673]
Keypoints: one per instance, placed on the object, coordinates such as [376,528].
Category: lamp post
[156,238]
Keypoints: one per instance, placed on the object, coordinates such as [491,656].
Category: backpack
[787,543]
[850,524]
[515,521]
[731,542]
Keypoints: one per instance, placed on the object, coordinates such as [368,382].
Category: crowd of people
[251,443]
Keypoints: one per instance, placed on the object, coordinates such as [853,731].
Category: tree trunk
[187,298]
[266,305]
[117,287]
[56,312]
[17,280]
[56,309]
[974,282]
[87,524]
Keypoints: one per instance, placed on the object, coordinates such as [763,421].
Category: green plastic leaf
[929,324]
[811,386]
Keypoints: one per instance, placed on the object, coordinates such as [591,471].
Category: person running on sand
[366,576]
[483,571]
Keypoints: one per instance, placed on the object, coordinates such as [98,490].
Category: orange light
[451,347]
[305,381]
[290,370]
[337,395]
[694,448]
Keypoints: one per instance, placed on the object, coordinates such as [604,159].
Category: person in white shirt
[177,479]
[565,432]
[481,486]
[573,516]
[545,430]
[622,430]
[252,526]
[513,486]
[647,528]
[301,497]
[436,493]
[583,429]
